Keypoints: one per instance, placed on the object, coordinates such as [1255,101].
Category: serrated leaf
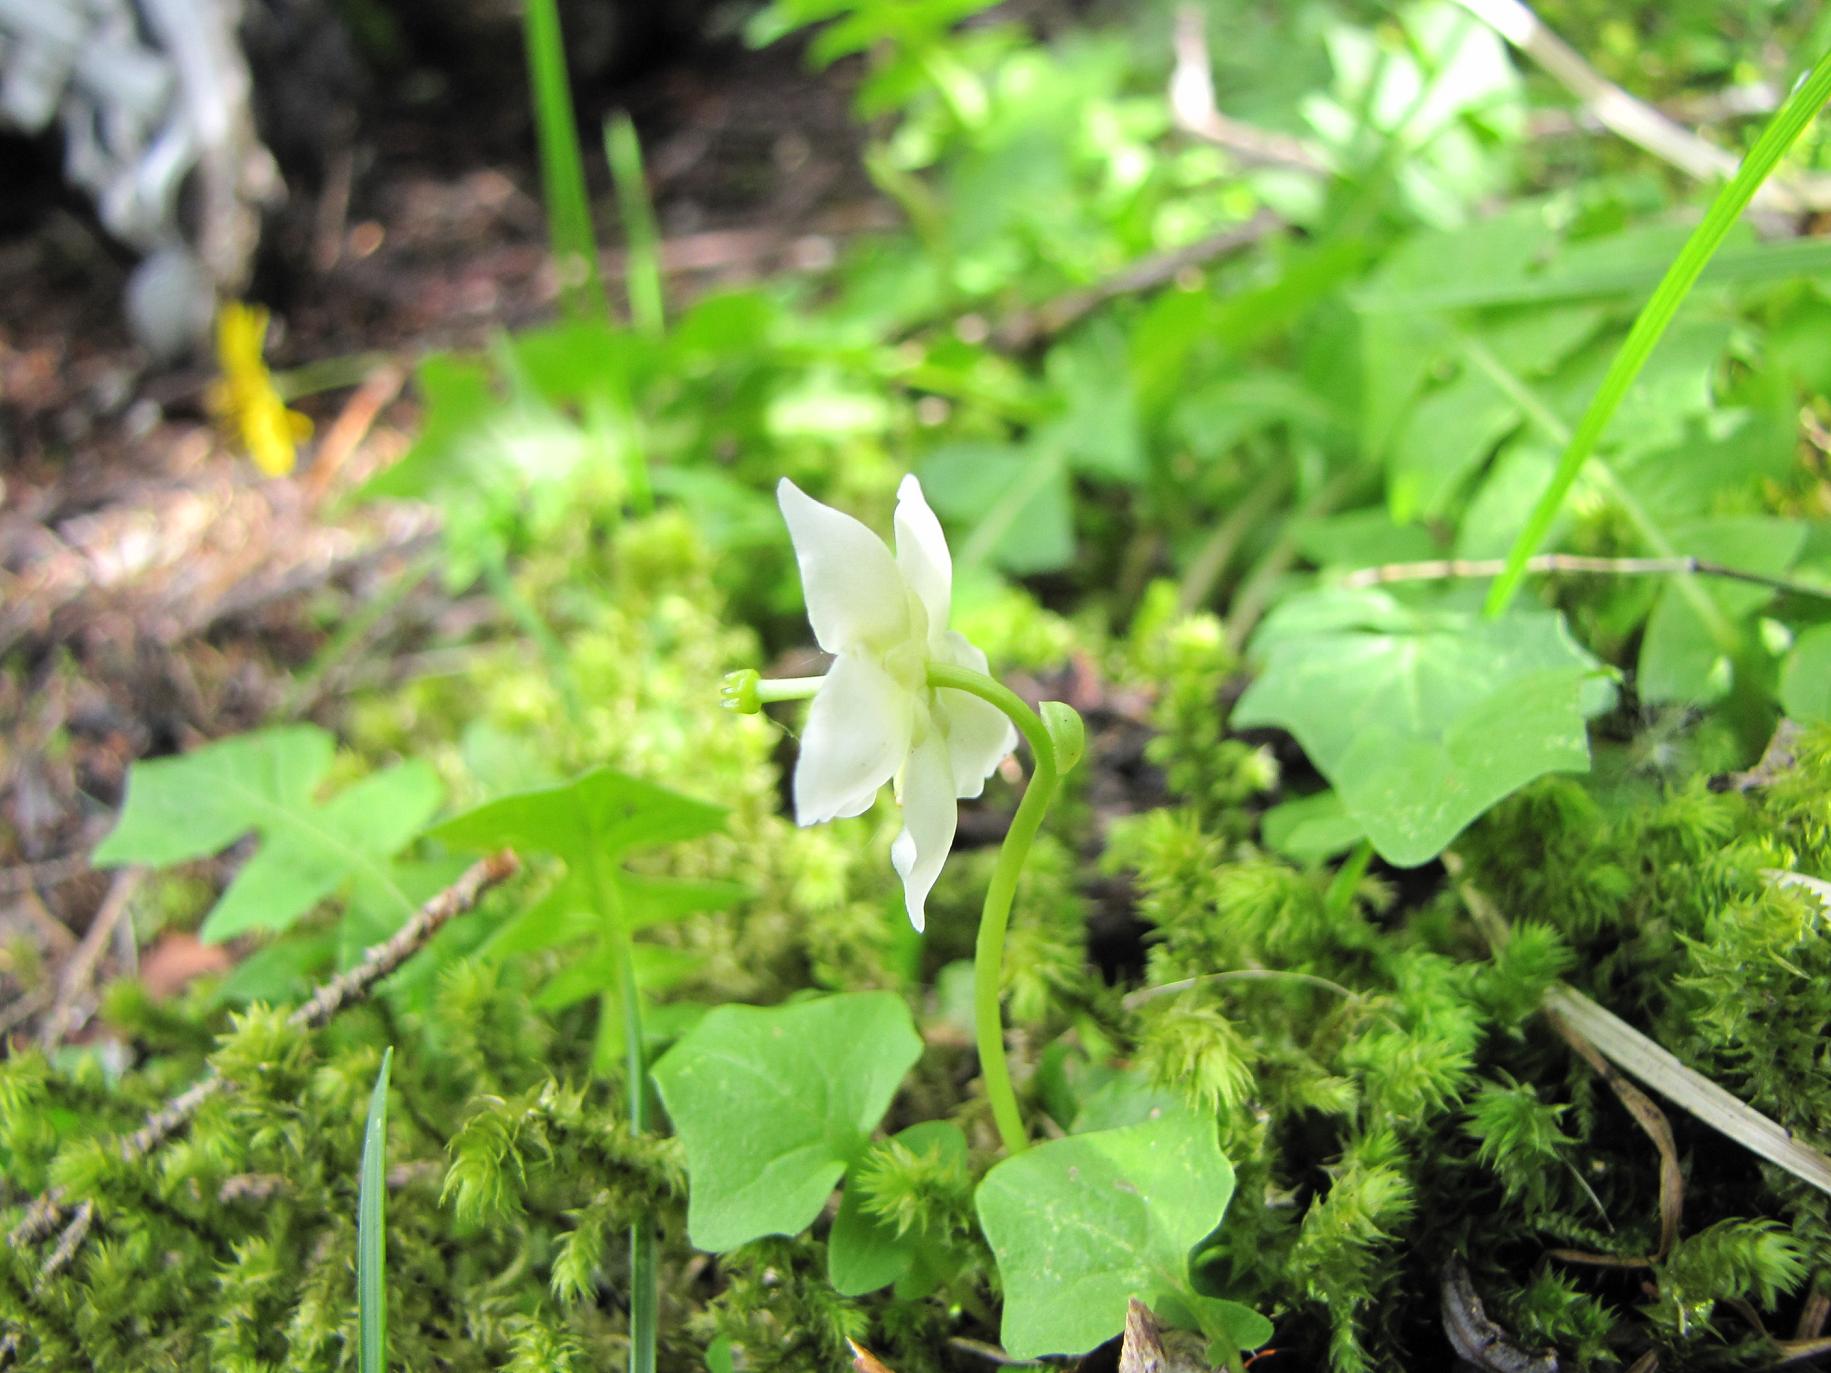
[264,783]
[864,1251]
[1081,1225]
[1422,719]
[774,1104]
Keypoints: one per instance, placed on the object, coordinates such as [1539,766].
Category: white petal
[921,553]
[929,818]
[857,735]
[856,597]
[979,735]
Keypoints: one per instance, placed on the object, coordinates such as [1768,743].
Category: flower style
[874,717]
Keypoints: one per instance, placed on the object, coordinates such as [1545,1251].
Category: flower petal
[857,734]
[856,597]
[921,553]
[929,818]
[979,735]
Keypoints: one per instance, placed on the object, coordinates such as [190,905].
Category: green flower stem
[787,688]
[644,1278]
[988,953]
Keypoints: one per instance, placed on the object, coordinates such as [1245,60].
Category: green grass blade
[641,236]
[371,1231]
[1787,125]
[562,170]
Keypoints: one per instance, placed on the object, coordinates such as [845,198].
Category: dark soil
[154,588]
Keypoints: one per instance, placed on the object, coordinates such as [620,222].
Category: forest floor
[155,589]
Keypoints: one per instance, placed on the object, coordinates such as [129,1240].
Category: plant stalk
[644,1277]
[988,952]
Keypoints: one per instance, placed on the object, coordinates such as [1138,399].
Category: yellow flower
[245,399]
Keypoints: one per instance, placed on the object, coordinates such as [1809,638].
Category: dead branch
[48,1211]
[1446,569]
[81,969]
[1632,119]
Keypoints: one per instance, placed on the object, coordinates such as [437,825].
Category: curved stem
[988,952]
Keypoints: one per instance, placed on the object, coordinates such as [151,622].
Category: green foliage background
[1239,916]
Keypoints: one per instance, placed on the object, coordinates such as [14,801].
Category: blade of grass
[562,170]
[642,275]
[372,1231]
[1780,134]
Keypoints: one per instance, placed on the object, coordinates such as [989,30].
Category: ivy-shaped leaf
[183,808]
[1082,1225]
[774,1104]
[1422,719]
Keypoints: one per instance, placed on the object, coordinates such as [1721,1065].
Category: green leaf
[773,1105]
[1015,502]
[184,808]
[864,1251]
[1100,431]
[1422,719]
[604,812]
[1692,637]
[1785,127]
[285,970]
[1446,438]
[1311,829]
[372,1230]
[1805,681]
[568,201]
[1067,731]
[592,824]
[1081,1225]
[1416,793]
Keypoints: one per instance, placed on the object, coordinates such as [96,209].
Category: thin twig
[1635,120]
[991,1353]
[1194,110]
[351,427]
[384,958]
[1138,998]
[22,1008]
[48,1210]
[1812,1315]
[1653,1121]
[1031,328]
[81,969]
[46,874]
[1798,1351]
[55,934]
[1657,1067]
[1632,1051]
[1445,569]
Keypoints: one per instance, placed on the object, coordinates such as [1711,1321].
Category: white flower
[874,717]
